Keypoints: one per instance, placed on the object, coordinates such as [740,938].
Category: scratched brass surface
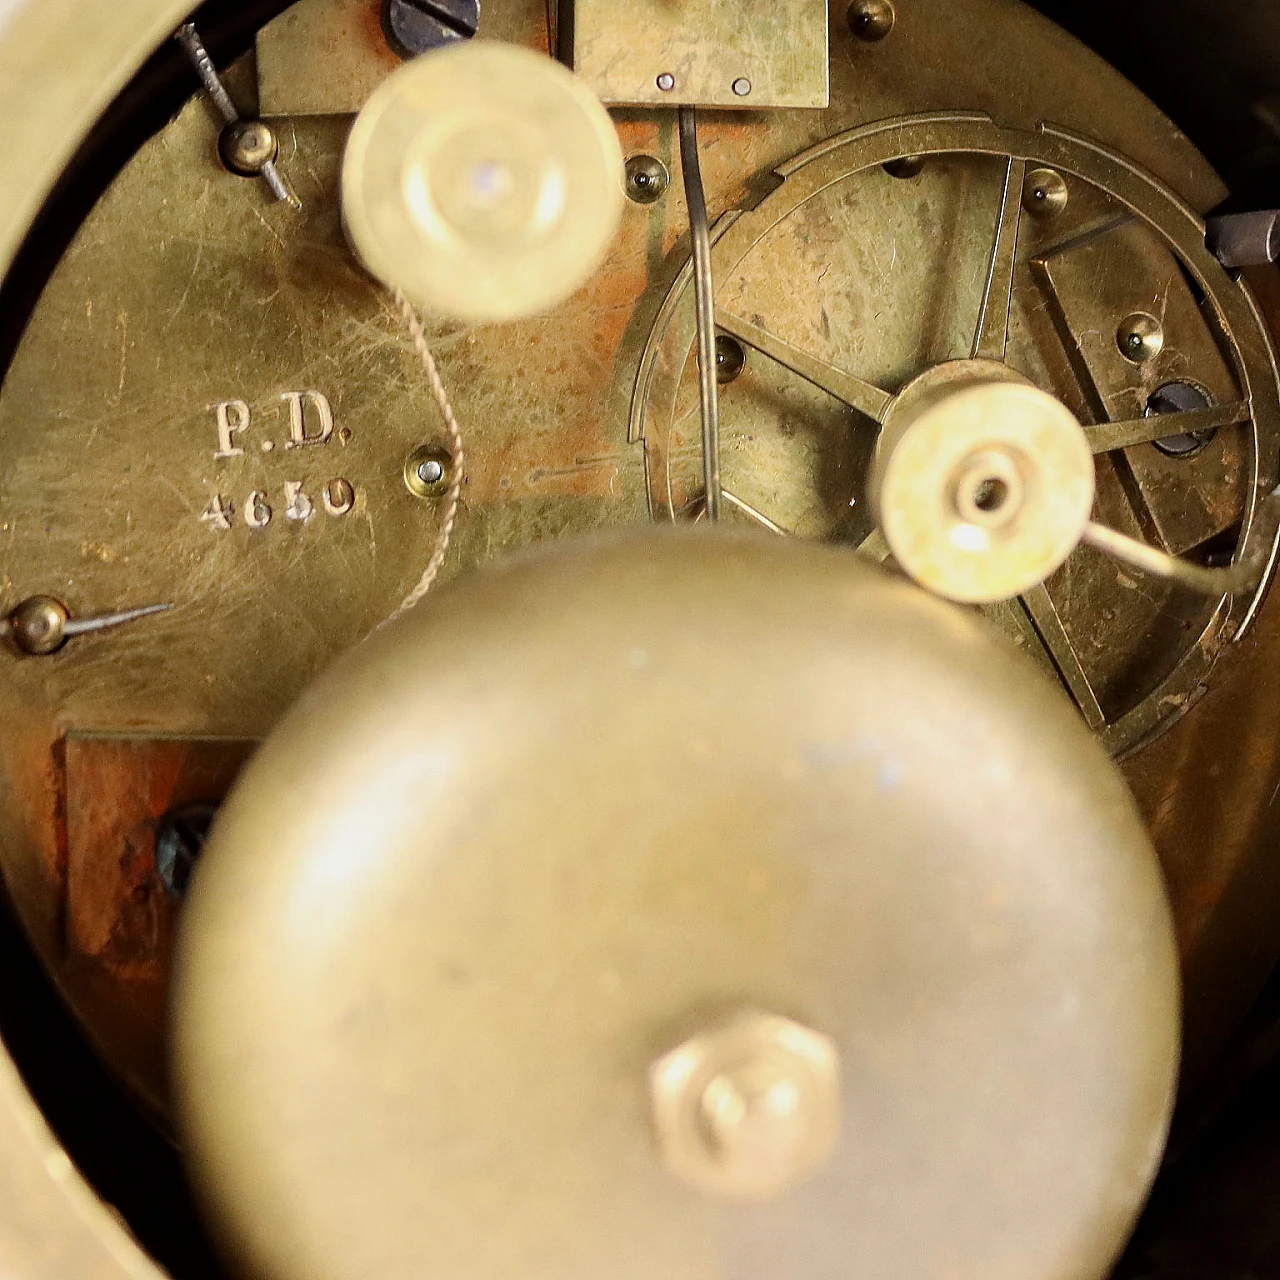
[706,53]
[187,289]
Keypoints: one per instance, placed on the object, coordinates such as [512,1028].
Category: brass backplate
[187,295]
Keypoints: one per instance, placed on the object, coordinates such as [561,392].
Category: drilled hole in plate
[1181,397]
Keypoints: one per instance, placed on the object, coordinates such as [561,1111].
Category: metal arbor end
[482,182]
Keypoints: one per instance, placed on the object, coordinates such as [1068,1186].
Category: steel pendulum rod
[189,38]
[705,295]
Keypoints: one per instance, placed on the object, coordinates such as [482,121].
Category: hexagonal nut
[749,1107]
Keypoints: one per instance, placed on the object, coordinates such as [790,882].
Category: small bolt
[905,167]
[647,179]
[1140,337]
[749,1107]
[428,472]
[666,82]
[742,87]
[871,20]
[180,839]
[246,147]
[1045,195]
[731,359]
[38,626]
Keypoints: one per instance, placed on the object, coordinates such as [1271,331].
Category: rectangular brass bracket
[746,54]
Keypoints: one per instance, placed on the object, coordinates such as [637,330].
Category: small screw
[871,20]
[647,179]
[666,82]
[1046,194]
[247,147]
[742,87]
[1140,337]
[731,359]
[38,626]
[428,472]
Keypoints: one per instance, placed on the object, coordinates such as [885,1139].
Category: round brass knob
[982,483]
[38,626]
[483,181]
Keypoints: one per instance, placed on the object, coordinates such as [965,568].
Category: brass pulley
[645,908]
[483,182]
[982,483]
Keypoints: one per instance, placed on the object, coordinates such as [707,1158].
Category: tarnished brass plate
[188,293]
[709,53]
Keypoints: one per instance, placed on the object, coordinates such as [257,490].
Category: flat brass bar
[1053,635]
[845,387]
[992,337]
[748,510]
[1105,437]
[874,547]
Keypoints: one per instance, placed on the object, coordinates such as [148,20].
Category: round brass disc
[467,904]
[982,483]
[484,181]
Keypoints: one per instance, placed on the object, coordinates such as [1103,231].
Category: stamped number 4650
[338,498]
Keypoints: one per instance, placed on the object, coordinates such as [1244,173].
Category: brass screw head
[38,626]
[1045,194]
[749,1107]
[246,147]
[871,20]
[647,179]
[428,472]
[1140,337]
